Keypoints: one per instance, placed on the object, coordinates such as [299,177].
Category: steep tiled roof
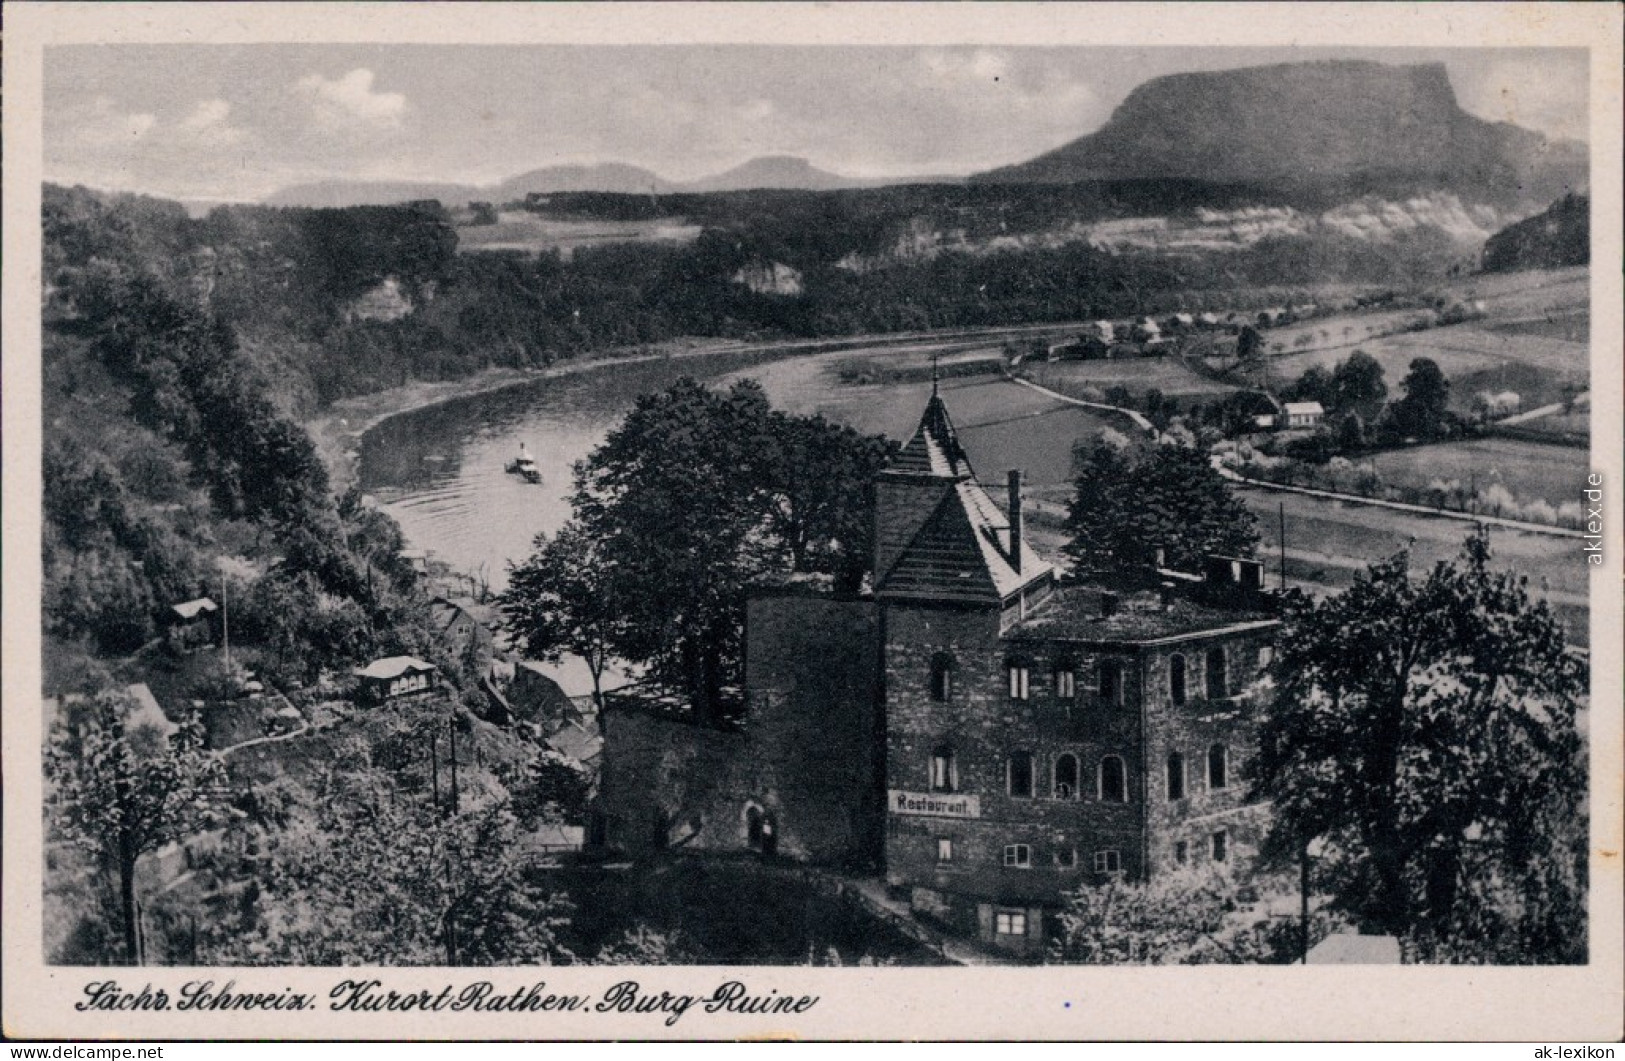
[962,551]
[934,449]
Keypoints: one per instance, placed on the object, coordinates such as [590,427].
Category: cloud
[348,104]
[210,123]
[1536,93]
[101,125]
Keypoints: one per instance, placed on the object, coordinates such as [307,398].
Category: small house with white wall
[396,678]
[1301,414]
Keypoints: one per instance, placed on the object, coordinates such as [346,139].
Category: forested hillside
[331,303]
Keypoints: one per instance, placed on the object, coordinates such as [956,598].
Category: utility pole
[434,767]
[1282,516]
[225,620]
[453,729]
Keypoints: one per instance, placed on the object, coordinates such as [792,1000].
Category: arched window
[944,774]
[1019,774]
[1218,682]
[942,677]
[1066,777]
[1176,679]
[1111,682]
[1113,780]
[1218,767]
[1176,776]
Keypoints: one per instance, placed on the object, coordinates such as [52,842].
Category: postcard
[687,521]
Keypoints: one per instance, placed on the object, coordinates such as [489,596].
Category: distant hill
[773,171]
[1359,127]
[370,193]
[781,172]
[1560,235]
[616,177]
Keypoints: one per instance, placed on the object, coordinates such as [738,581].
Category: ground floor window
[1010,922]
[1182,853]
[945,849]
[1221,845]
[1019,856]
[1108,862]
[1066,858]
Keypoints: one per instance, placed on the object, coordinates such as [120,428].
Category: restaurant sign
[934,804]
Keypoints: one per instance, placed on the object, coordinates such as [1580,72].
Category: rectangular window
[1018,856]
[1018,681]
[1182,853]
[1010,922]
[1019,775]
[944,777]
[1066,684]
[1066,858]
[1108,862]
[1221,845]
[1266,656]
[945,849]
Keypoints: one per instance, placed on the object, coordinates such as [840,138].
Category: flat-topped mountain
[1355,125]
[598,177]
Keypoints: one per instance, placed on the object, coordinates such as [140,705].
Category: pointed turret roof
[934,450]
[963,550]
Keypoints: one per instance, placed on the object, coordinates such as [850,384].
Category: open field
[1001,425]
[1473,358]
[1329,542]
[519,230]
[1575,423]
[1529,470]
[1139,375]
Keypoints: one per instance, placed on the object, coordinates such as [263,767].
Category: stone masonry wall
[984,726]
[807,755]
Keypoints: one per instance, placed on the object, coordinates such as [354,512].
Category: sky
[237,122]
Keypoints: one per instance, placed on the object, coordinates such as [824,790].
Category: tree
[378,880]
[1422,412]
[1125,509]
[696,495]
[562,599]
[125,793]
[1315,385]
[1424,729]
[1356,383]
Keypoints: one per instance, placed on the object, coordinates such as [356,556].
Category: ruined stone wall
[806,758]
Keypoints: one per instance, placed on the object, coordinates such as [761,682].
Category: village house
[396,678]
[1300,414]
[985,734]
[191,624]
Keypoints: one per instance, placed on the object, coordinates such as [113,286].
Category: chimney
[1108,605]
[1015,520]
[1162,558]
[1167,595]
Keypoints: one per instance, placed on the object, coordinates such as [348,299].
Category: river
[439,471]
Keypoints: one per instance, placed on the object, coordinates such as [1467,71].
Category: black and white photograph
[881,507]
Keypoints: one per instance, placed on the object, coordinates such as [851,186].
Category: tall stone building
[987,734]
